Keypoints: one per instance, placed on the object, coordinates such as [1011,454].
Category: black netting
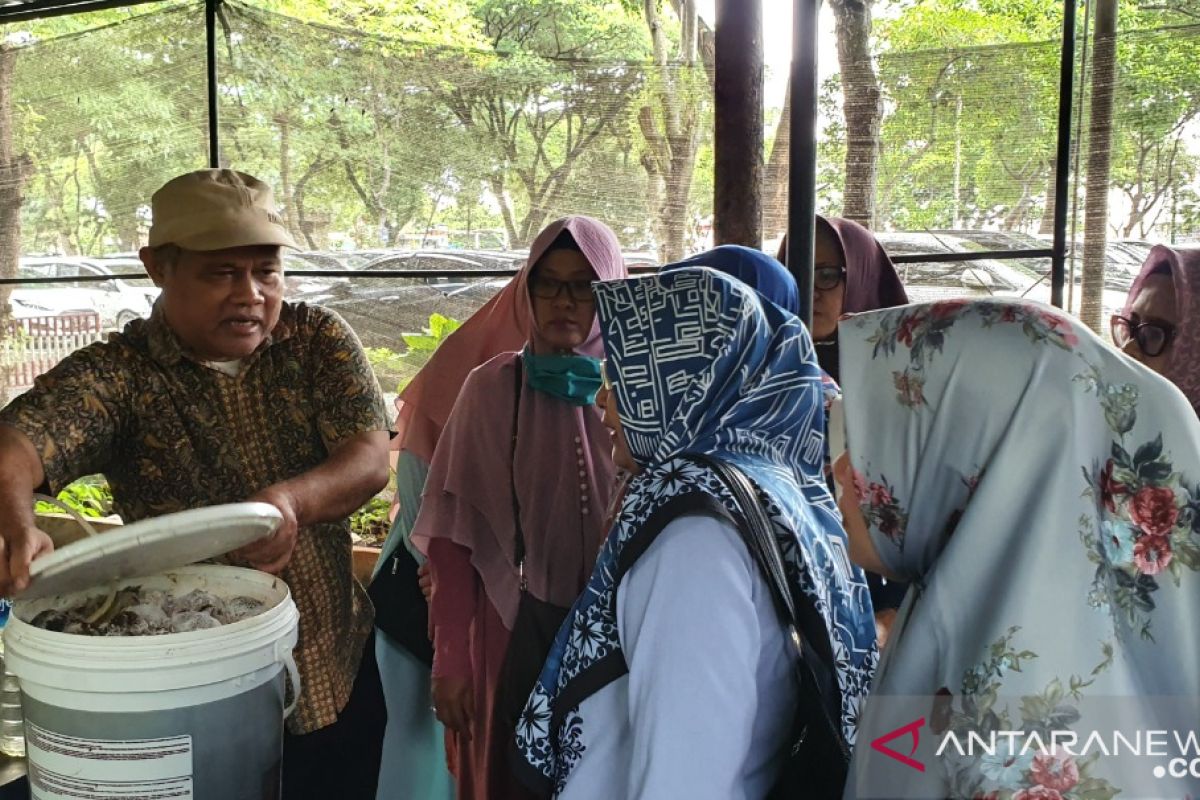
[404,152]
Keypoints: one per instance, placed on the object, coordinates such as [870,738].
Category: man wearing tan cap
[227,393]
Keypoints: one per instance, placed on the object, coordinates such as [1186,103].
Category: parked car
[117,300]
[446,261]
[30,303]
[381,310]
[1019,277]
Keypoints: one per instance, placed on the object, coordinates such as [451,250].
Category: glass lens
[549,289]
[1151,339]
[581,291]
[827,277]
[544,288]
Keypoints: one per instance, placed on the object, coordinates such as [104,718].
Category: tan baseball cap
[212,209]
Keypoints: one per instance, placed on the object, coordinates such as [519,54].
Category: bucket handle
[90,531]
[284,654]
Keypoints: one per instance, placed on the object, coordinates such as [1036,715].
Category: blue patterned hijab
[754,268]
[701,365]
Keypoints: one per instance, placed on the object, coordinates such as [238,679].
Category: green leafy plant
[90,497]
[369,525]
[389,366]
[397,369]
[13,346]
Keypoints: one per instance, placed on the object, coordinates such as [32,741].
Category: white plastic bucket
[183,715]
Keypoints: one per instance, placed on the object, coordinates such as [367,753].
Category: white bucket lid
[150,547]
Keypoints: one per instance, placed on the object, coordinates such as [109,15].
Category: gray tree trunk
[862,107]
[1046,225]
[1100,135]
[671,136]
[15,169]
[775,178]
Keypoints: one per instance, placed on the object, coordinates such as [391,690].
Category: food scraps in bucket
[149,612]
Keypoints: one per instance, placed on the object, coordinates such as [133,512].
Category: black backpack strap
[759,534]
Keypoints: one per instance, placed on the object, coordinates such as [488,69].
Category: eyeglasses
[550,289]
[1152,337]
[826,278]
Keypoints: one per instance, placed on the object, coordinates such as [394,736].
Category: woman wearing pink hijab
[1160,325]
[414,741]
[514,504]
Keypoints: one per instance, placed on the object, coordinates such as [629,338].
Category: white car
[117,300]
[1022,277]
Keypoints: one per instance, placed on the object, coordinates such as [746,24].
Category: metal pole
[214,136]
[1062,163]
[802,169]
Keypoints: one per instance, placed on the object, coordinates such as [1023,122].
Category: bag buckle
[800,741]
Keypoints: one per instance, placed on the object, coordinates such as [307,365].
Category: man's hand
[20,540]
[454,703]
[17,551]
[274,553]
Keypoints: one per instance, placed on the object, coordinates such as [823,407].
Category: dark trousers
[341,761]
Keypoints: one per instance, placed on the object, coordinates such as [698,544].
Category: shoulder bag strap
[759,535]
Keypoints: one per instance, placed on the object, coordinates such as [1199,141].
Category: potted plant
[368,530]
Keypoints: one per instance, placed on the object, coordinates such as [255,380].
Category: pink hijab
[1183,265]
[563,455]
[502,325]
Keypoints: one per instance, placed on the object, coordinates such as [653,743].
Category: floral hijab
[1042,493]
[701,365]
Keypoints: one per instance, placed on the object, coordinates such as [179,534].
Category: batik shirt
[171,433]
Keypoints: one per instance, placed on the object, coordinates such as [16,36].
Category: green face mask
[574,379]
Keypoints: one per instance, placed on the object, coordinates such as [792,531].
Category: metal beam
[39,9]
[214,135]
[906,258]
[738,123]
[456,274]
[1062,163]
[972,255]
[802,169]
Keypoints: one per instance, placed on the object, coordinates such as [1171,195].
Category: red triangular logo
[913,729]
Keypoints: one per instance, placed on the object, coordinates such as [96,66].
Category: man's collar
[166,349]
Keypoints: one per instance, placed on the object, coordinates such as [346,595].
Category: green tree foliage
[375,120]
[972,97]
[103,142]
[970,116]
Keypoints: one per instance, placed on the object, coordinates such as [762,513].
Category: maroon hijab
[872,282]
